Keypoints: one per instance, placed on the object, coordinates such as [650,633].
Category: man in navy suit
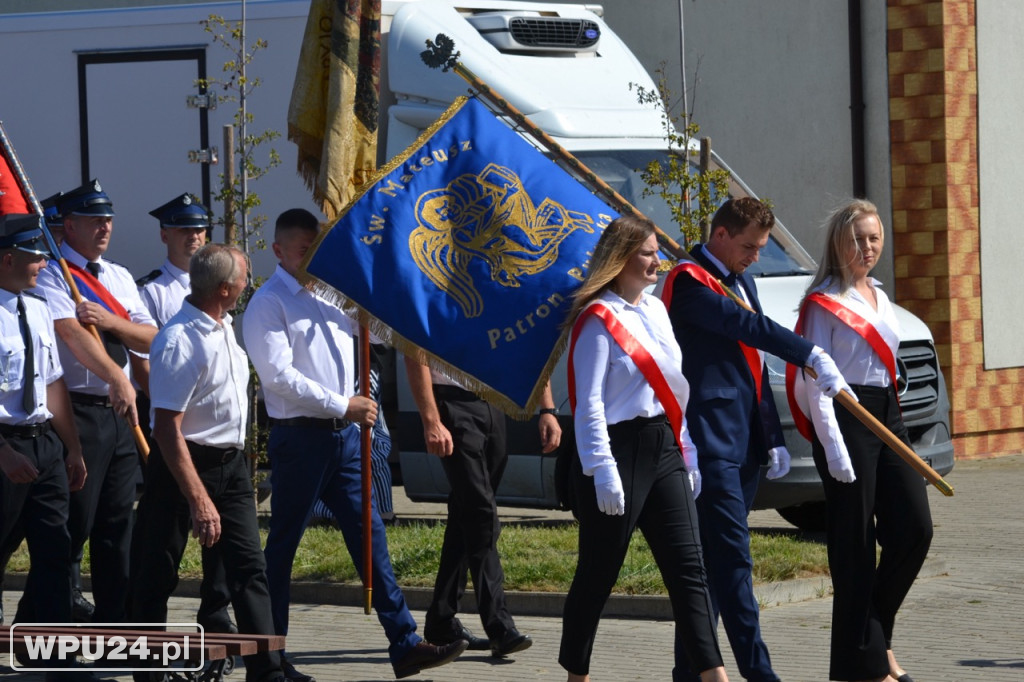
[731,415]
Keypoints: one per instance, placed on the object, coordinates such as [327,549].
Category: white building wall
[1000,27]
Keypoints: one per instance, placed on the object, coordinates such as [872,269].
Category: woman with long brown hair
[637,467]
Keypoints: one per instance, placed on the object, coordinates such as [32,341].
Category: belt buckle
[337,423]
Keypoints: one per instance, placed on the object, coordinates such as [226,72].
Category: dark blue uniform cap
[23,231]
[89,199]
[183,211]
[50,212]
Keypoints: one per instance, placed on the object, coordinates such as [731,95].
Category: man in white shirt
[302,349]
[98,378]
[184,223]
[198,476]
[34,410]
[468,434]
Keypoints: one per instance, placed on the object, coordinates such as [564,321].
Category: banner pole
[366,434]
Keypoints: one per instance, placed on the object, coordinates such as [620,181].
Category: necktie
[113,346]
[730,280]
[28,396]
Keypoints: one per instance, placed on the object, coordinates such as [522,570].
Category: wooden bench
[217,650]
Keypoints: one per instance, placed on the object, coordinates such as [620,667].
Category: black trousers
[38,511]
[161,541]
[471,535]
[214,598]
[887,504]
[102,510]
[658,502]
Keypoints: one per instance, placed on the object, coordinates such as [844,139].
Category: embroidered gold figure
[488,216]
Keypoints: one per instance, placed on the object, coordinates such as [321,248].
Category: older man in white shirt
[198,476]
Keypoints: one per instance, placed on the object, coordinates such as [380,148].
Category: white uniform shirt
[302,349]
[197,367]
[610,388]
[854,356]
[164,294]
[55,290]
[12,358]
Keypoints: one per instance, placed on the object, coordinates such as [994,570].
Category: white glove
[693,475]
[610,497]
[780,463]
[829,380]
[840,466]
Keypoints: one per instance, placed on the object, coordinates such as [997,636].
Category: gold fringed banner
[333,113]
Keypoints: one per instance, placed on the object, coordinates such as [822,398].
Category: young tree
[236,87]
[691,194]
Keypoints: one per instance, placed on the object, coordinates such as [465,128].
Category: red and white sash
[796,396]
[751,355]
[645,362]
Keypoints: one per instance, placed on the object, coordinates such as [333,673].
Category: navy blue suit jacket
[723,414]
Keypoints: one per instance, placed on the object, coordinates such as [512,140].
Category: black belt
[90,399]
[210,454]
[333,423]
[879,391]
[637,423]
[25,430]
[449,392]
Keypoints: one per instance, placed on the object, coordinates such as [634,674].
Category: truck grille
[920,368]
[554,32]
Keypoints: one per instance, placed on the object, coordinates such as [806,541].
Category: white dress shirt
[853,355]
[610,388]
[738,288]
[302,349]
[12,358]
[197,367]
[164,294]
[55,290]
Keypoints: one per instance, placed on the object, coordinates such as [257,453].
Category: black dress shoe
[509,643]
[453,633]
[292,674]
[425,655]
[81,608]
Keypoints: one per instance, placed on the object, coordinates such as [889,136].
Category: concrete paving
[960,623]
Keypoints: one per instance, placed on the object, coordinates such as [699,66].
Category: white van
[571,75]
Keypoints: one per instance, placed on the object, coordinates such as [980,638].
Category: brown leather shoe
[425,655]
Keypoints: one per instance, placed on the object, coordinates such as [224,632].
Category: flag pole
[440,54]
[30,197]
[366,434]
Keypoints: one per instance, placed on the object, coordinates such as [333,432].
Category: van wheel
[810,516]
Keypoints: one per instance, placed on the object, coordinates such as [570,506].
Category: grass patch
[535,558]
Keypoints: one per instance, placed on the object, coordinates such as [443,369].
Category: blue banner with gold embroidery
[464,252]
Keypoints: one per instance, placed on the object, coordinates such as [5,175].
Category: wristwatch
[548,410]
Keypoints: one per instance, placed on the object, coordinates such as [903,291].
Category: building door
[136,134]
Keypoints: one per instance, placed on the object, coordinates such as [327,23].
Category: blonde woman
[637,467]
[872,494]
